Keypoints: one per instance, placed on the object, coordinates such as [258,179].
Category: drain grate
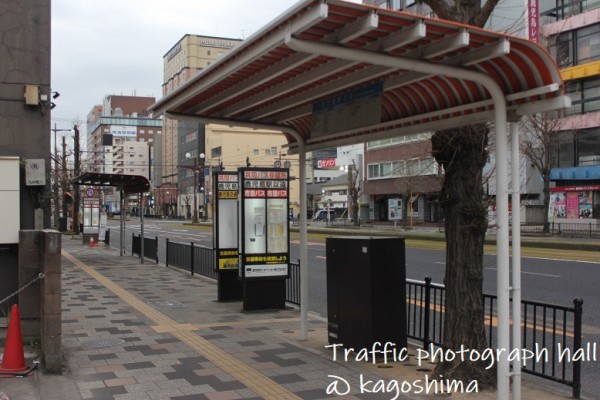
[101,343]
[167,304]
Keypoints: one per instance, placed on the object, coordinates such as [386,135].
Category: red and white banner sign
[533,16]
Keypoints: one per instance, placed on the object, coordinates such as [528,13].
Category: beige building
[184,60]
[233,147]
[225,146]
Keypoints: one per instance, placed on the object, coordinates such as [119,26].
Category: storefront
[569,203]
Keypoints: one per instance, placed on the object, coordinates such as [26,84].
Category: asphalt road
[547,280]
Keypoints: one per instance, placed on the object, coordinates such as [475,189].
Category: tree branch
[441,8]
[485,13]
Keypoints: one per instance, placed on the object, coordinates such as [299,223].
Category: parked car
[321,215]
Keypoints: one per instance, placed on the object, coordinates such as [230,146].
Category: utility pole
[64,176]
[57,186]
[76,172]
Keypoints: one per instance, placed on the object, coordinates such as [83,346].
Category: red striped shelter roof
[334,73]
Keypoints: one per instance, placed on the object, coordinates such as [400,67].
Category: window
[403,168]
[415,137]
[151,132]
[216,152]
[273,150]
[585,96]
[591,95]
[588,43]
[255,152]
[373,171]
[577,47]
[142,131]
[267,152]
[588,143]
[190,136]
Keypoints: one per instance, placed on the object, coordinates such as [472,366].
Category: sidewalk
[133,331]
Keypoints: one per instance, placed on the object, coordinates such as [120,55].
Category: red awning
[328,71]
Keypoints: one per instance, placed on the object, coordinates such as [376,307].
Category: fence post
[578,303]
[192,266]
[167,254]
[156,238]
[427,313]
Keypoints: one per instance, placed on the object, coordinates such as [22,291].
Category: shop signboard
[263,221]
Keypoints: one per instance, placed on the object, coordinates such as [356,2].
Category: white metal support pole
[503,249]
[303,243]
[516,257]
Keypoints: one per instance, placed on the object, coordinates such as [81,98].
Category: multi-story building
[573,33]
[120,139]
[191,54]
[183,142]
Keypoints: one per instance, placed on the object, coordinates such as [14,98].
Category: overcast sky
[116,46]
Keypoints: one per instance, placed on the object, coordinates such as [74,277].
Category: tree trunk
[463,154]
[546,202]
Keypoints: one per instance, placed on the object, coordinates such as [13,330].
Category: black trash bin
[62,224]
[366,291]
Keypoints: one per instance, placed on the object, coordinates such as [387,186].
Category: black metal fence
[551,332]
[192,258]
[292,284]
[150,247]
[545,326]
[566,229]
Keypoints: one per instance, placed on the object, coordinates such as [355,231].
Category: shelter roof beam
[446,45]
[401,38]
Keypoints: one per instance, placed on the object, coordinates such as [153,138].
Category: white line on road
[533,273]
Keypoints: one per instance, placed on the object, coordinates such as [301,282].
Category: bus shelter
[126,185]
[331,73]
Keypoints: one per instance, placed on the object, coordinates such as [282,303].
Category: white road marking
[532,273]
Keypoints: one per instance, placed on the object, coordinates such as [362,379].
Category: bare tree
[463,153]
[539,142]
[354,192]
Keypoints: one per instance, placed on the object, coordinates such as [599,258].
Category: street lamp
[195,169]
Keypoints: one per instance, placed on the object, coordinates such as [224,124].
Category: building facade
[189,148]
[227,148]
[572,32]
[191,54]
[121,140]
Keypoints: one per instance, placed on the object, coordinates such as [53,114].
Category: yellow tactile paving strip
[251,378]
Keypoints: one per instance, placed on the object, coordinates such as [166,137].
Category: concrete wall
[40,301]
[25,129]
